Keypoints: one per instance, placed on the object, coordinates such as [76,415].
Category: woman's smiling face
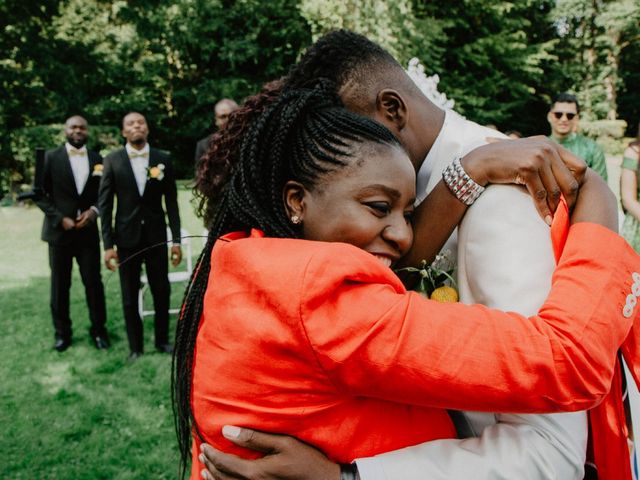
[367,203]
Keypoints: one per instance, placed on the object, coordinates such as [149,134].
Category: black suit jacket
[134,210]
[60,197]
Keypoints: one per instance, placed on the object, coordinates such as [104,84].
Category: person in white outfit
[505,260]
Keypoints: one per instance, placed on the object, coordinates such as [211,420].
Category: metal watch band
[463,187]
[348,471]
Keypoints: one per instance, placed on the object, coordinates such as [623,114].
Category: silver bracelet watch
[463,187]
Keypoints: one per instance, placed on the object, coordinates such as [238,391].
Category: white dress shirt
[140,164]
[505,260]
[79,160]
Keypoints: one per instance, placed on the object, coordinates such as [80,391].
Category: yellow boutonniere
[157,172]
[97,170]
[434,281]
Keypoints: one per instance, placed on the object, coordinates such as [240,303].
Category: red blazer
[608,449]
[321,341]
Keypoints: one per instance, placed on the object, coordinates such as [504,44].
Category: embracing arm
[545,168]
[564,356]
[505,261]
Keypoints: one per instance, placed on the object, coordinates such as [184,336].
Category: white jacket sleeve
[505,261]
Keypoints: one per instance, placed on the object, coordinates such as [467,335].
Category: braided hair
[214,168]
[303,135]
[336,58]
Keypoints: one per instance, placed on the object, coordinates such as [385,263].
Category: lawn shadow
[82,413]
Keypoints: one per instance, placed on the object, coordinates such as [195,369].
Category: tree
[393,25]
[597,33]
[493,58]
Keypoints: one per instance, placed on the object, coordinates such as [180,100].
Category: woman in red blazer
[293,321]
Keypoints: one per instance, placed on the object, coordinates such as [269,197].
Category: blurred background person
[629,193]
[70,194]
[222,111]
[564,118]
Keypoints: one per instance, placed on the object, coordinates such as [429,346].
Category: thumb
[252,439]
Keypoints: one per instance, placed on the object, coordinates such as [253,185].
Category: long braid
[302,135]
[214,168]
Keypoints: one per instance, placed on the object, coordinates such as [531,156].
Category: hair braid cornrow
[214,168]
[301,136]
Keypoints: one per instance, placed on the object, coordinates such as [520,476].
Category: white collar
[130,149]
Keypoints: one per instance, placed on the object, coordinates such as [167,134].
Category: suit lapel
[129,168]
[92,163]
[67,171]
[153,161]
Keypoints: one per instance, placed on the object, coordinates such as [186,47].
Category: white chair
[174,277]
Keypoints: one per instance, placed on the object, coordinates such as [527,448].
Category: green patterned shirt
[586,149]
[631,164]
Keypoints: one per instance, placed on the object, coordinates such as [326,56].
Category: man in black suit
[140,176]
[222,111]
[70,184]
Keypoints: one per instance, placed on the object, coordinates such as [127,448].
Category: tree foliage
[501,61]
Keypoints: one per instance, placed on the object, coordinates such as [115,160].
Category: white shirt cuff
[370,469]
[95,209]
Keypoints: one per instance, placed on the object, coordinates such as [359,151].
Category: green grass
[82,414]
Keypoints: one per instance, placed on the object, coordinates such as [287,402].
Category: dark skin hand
[85,218]
[111,259]
[68,223]
[176,255]
[282,459]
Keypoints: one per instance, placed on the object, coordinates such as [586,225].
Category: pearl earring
[295,219]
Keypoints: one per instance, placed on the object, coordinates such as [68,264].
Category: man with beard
[140,177]
[70,193]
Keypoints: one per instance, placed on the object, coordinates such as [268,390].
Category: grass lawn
[84,413]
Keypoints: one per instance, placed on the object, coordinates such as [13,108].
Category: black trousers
[61,262]
[156,264]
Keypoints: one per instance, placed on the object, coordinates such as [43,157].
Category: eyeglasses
[570,116]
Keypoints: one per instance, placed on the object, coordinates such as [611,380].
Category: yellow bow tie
[138,155]
[75,151]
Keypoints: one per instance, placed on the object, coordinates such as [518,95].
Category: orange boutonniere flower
[434,281]
[157,172]
[97,170]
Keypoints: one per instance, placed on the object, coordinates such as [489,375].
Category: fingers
[550,183]
[111,260]
[254,440]
[539,194]
[223,466]
[176,255]
[567,183]
[496,139]
[570,184]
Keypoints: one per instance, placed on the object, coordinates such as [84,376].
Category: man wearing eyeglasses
[563,117]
